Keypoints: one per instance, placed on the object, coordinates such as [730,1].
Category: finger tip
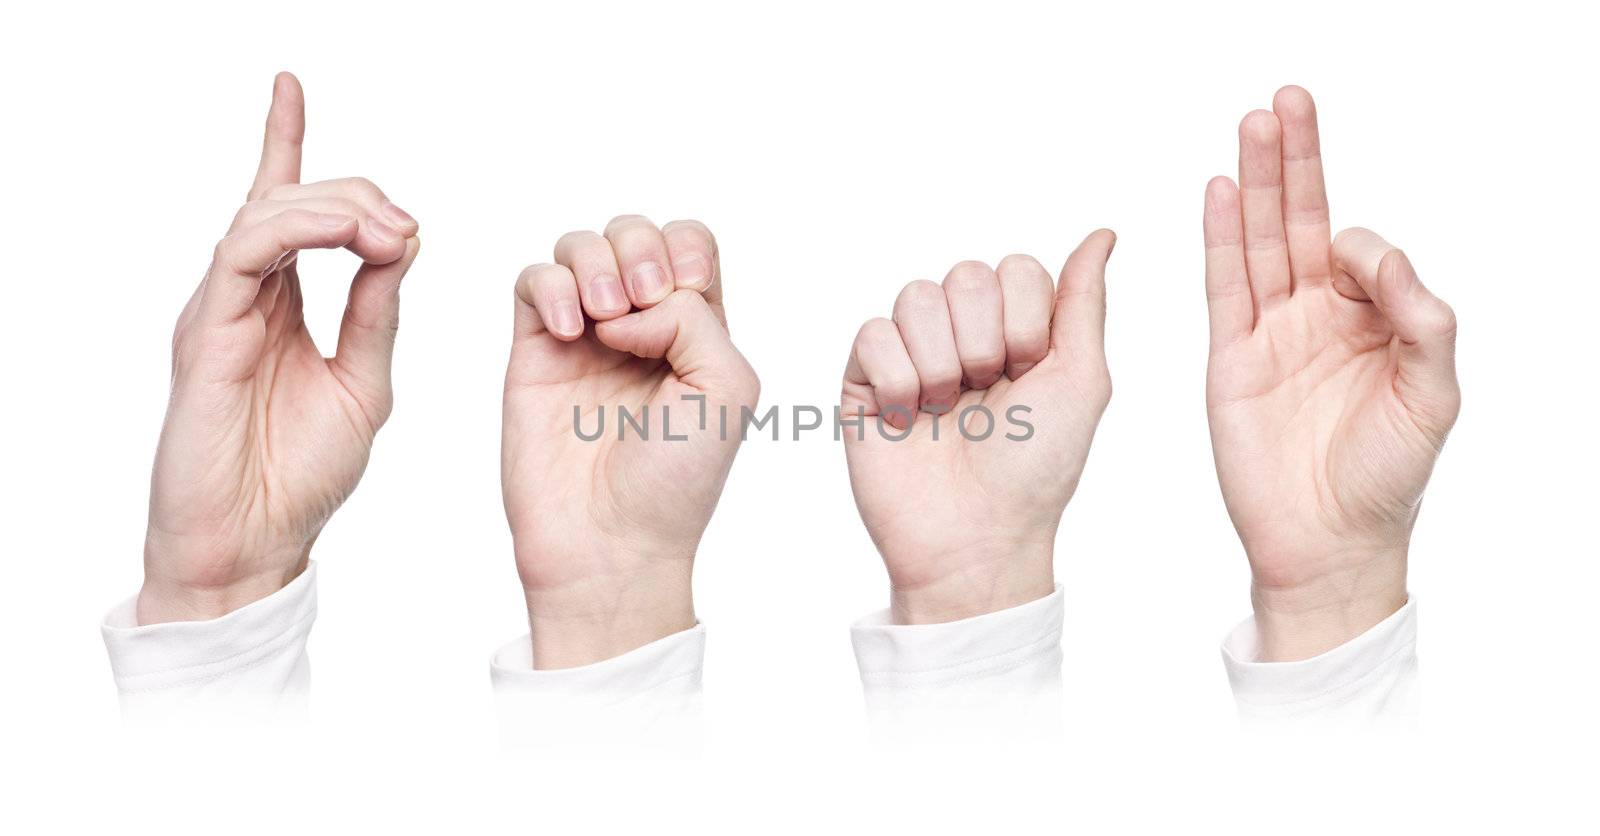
[1221,203]
[1259,126]
[286,87]
[1293,101]
[1220,188]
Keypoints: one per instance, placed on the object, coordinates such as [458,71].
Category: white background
[838,151]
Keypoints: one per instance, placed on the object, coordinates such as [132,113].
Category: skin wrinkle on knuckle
[985,363]
[939,380]
[969,278]
[576,239]
[625,224]
[1027,341]
[362,187]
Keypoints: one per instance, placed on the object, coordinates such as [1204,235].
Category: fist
[607,511]
[980,399]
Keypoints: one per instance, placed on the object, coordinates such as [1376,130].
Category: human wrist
[583,620]
[1306,619]
[189,596]
[983,584]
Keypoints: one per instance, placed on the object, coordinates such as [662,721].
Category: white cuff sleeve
[1369,680]
[648,696]
[253,658]
[989,673]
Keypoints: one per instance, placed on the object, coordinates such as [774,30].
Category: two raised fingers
[632,266]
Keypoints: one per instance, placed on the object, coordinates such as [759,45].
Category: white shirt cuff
[649,696]
[256,653]
[998,673]
[1368,680]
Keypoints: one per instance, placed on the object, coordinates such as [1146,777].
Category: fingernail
[568,322]
[649,282]
[691,272]
[333,221]
[1020,369]
[398,215]
[606,292]
[383,232]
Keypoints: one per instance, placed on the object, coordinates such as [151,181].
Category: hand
[968,526]
[1330,389]
[264,437]
[606,530]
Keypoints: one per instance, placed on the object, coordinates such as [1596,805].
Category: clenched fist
[265,437]
[966,521]
[1330,390]
[605,530]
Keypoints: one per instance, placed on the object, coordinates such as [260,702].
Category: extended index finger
[286,129]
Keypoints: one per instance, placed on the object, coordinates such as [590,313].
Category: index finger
[696,264]
[286,129]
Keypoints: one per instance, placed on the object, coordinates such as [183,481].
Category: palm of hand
[1315,449]
[1010,493]
[579,508]
[262,447]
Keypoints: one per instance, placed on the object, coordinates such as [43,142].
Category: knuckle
[346,206]
[535,274]
[577,238]
[222,254]
[363,187]
[920,294]
[685,299]
[876,331]
[896,390]
[986,359]
[1020,263]
[748,385]
[627,222]
[969,276]
[1027,344]
[1349,235]
[939,377]
[1444,320]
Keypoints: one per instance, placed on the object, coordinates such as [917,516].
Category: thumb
[1423,324]
[1079,321]
[683,329]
